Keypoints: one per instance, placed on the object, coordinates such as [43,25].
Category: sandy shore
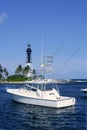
[12,82]
[22,82]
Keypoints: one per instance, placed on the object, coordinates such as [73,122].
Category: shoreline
[12,82]
[54,81]
[22,82]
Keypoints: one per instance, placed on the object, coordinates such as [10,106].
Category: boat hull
[59,103]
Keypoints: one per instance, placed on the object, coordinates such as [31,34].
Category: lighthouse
[29,63]
[28,51]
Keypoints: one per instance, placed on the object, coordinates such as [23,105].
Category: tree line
[25,70]
[3,73]
[19,71]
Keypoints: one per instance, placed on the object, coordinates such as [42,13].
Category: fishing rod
[70,57]
[58,49]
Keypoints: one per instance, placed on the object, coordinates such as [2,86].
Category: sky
[53,27]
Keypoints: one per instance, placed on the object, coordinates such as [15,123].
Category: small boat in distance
[84,91]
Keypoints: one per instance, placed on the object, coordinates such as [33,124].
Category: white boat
[84,91]
[30,94]
[36,92]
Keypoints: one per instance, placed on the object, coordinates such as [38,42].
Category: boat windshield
[42,87]
[29,87]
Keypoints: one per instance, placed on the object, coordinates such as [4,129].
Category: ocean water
[17,116]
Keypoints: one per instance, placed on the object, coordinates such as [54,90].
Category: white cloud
[3,17]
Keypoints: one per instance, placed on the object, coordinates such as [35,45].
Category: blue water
[17,116]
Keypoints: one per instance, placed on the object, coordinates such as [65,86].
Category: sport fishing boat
[37,94]
[42,92]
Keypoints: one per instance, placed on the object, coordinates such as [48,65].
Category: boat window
[33,89]
[51,93]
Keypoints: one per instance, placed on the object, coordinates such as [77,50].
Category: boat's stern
[66,101]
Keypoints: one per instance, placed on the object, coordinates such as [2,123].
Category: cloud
[3,17]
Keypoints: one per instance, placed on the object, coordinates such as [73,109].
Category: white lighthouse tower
[29,63]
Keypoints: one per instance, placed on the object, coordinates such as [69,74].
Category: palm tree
[26,70]
[5,72]
[0,76]
[34,73]
[18,70]
[1,71]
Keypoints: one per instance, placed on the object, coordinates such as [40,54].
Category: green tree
[1,69]
[26,70]
[5,72]
[34,73]
[0,76]
[18,70]
[1,72]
